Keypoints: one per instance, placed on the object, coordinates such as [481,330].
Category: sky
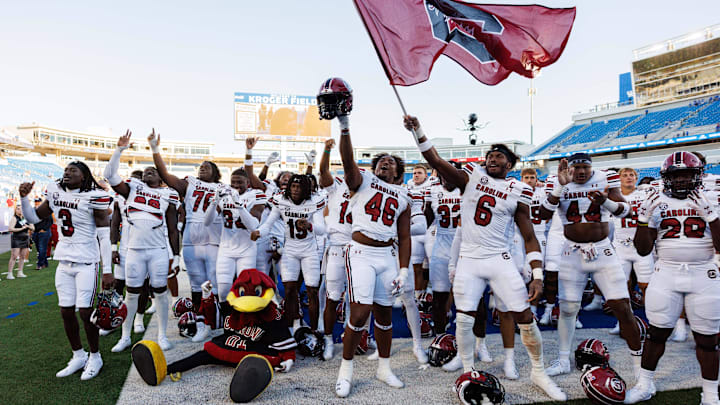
[175,66]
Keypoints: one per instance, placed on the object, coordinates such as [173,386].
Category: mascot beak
[250,303]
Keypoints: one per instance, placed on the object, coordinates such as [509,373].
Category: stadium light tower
[532,91]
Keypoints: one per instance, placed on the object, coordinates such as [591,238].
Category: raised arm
[180,185]
[32,214]
[255,182]
[310,160]
[552,200]
[111,170]
[326,179]
[448,171]
[353,178]
[613,201]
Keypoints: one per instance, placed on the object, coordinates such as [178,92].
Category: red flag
[489,41]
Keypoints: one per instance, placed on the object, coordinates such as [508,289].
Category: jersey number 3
[373,208]
[66,225]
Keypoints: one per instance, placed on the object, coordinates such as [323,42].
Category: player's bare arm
[532,247]
[326,179]
[115,222]
[606,198]
[403,230]
[353,178]
[180,185]
[102,220]
[448,171]
[255,182]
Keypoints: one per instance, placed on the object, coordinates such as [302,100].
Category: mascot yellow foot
[252,375]
[149,361]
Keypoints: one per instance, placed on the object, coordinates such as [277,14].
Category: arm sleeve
[269,221]
[251,223]
[111,170]
[103,235]
[318,222]
[211,212]
[29,211]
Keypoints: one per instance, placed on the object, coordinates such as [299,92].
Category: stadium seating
[655,121]
[559,138]
[597,130]
[17,171]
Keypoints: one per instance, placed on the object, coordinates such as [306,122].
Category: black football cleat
[252,376]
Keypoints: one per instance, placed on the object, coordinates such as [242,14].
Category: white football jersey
[338,221]
[682,235]
[625,227]
[376,206]
[446,207]
[422,186]
[576,207]
[146,207]
[235,237]
[287,212]
[488,211]
[711,181]
[540,226]
[197,200]
[74,213]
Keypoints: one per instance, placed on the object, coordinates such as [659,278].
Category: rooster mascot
[256,339]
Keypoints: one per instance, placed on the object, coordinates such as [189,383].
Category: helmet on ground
[590,353]
[181,306]
[603,386]
[442,349]
[477,387]
[110,311]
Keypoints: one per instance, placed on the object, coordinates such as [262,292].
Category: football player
[338,222]
[200,243]
[587,198]
[683,226]
[419,184]
[624,233]
[149,206]
[380,213]
[302,217]
[81,209]
[241,209]
[491,206]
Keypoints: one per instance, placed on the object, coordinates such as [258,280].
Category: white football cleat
[329,348]
[75,364]
[151,310]
[105,332]
[546,384]
[708,402]
[615,329]
[453,365]
[640,392]
[510,370]
[121,345]
[203,331]
[138,324]
[374,356]
[482,353]
[92,367]
[578,324]
[595,304]
[164,343]
[558,366]
[545,318]
[420,355]
[389,378]
[342,387]
[679,334]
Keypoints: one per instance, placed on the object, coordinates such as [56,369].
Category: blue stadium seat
[558,139]
[655,121]
[597,130]
[707,116]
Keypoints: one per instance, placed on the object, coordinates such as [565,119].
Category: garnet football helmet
[334,98]
[603,386]
[643,326]
[590,353]
[442,349]
[679,162]
[110,311]
[366,342]
[181,306]
[637,300]
[425,302]
[478,387]
[554,316]
[310,343]
[187,324]
[426,325]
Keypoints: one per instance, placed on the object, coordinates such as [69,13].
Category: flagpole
[402,106]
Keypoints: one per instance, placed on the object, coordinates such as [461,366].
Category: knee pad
[159,290]
[569,308]
[134,290]
[658,335]
[356,328]
[383,327]
[464,318]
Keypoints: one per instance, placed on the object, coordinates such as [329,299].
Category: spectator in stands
[41,237]
[19,242]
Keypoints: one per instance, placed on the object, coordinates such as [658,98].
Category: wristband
[327,151]
[557,191]
[114,247]
[537,273]
[532,256]
[345,131]
[155,148]
[418,133]
[425,146]
[249,162]
[642,224]
[344,121]
[549,206]
[611,205]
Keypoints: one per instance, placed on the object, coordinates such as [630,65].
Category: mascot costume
[255,339]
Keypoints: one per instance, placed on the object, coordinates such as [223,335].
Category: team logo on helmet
[478,387]
[442,349]
[603,386]
[110,311]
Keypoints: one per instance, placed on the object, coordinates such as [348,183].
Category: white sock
[96,355]
[597,298]
[384,364]
[296,325]
[346,370]
[413,316]
[549,306]
[532,339]
[79,352]
[464,336]
[322,298]
[710,390]
[161,305]
[479,341]
[566,326]
[131,302]
[509,354]
[139,319]
[680,324]
[646,376]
